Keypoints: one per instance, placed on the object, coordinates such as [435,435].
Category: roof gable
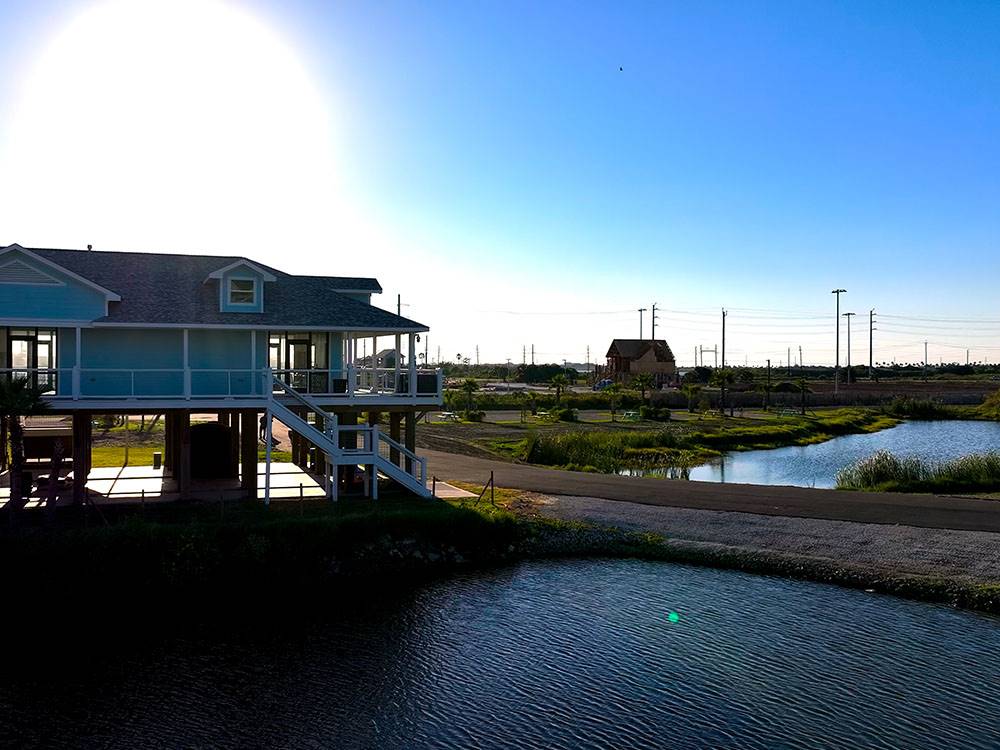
[11,251]
[237,265]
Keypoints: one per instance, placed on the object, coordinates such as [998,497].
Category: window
[242,291]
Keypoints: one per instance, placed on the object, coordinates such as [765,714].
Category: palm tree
[691,390]
[722,377]
[559,381]
[803,388]
[613,391]
[18,399]
[644,382]
[470,386]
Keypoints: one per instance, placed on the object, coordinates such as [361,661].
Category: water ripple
[573,655]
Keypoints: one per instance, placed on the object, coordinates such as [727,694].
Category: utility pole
[696,356]
[966,357]
[925,359]
[477,355]
[641,311]
[439,355]
[524,354]
[532,354]
[652,336]
[836,366]
[788,362]
[871,341]
[724,314]
[767,391]
[722,390]
[848,315]
[800,356]
[427,349]
[399,305]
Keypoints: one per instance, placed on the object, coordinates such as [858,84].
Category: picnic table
[631,416]
[449,416]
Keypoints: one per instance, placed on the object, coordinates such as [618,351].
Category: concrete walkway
[928,511]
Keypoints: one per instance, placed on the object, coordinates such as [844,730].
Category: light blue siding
[220,362]
[158,351]
[66,360]
[227,352]
[69,300]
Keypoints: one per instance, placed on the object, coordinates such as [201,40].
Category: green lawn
[142,455]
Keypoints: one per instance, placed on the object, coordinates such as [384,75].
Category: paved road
[928,511]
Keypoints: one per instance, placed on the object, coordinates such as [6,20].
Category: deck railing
[349,384]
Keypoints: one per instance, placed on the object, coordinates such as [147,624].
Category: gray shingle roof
[163,288]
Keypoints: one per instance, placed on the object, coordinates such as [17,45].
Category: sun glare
[191,119]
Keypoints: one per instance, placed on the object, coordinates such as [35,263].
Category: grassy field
[142,455]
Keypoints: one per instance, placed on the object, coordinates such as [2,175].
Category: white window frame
[255,290]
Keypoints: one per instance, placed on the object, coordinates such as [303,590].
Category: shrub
[917,408]
[473,415]
[655,413]
[991,406]
[564,414]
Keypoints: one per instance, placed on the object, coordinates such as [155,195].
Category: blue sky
[580,158]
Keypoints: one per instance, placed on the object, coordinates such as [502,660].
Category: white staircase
[374,448]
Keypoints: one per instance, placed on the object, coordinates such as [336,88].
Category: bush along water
[886,472]
[907,407]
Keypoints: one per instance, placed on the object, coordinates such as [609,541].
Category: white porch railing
[349,384]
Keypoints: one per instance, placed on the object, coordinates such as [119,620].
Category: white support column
[267,458]
[187,367]
[374,482]
[375,383]
[333,431]
[413,365]
[399,363]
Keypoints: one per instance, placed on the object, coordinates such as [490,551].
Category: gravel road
[892,549]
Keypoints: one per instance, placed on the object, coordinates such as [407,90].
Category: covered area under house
[194,454]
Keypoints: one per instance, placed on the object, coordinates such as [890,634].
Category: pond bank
[958,567]
[197,564]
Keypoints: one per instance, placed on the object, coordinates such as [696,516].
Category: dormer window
[243,291]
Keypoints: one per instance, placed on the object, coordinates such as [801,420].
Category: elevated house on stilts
[246,344]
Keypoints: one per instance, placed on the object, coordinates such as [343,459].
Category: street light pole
[836,366]
[641,311]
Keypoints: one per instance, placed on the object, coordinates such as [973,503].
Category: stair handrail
[416,461]
[302,398]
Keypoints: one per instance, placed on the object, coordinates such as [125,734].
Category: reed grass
[610,452]
[885,472]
